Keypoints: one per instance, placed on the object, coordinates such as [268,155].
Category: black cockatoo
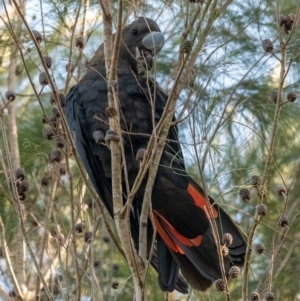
[181,212]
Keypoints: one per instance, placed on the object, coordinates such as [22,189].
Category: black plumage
[180,210]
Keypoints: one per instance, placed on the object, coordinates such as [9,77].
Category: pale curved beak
[154,41]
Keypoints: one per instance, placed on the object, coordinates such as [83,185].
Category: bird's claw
[111,135]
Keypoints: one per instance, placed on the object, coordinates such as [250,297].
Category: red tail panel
[166,238]
[201,201]
[180,238]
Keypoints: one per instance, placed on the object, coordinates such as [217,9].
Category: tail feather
[225,225]
[168,269]
[191,274]
[181,285]
[204,256]
[198,255]
[161,258]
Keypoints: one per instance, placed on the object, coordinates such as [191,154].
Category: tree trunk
[14,151]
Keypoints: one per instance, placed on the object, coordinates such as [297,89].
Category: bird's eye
[134,31]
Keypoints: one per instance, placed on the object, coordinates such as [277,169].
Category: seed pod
[289,23]
[292,17]
[57,235]
[53,121]
[44,181]
[245,194]
[186,46]
[192,79]
[259,248]
[106,239]
[91,203]
[23,187]
[48,133]
[20,174]
[52,99]
[60,142]
[18,70]
[292,96]
[70,66]
[283,220]
[88,237]
[10,95]
[282,19]
[269,296]
[22,196]
[224,251]
[79,227]
[43,78]
[55,112]
[273,95]
[55,156]
[234,271]
[62,99]
[34,222]
[262,209]
[254,296]
[140,154]
[280,190]
[220,285]
[256,180]
[54,232]
[48,61]
[227,239]
[37,35]
[45,120]
[267,45]
[98,136]
[79,42]
[62,169]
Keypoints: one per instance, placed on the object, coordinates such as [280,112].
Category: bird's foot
[111,135]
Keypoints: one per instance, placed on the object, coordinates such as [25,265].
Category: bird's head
[141,35]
